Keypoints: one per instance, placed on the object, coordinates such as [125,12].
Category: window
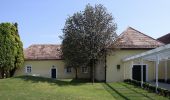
[84,70]
[118,67]
[68,69]
[28,69]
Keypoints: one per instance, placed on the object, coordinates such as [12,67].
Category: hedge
[149,87]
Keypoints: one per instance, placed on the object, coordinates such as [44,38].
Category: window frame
[68,69]
[28,67]
[84,69]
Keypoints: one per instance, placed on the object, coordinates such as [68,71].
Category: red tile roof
[165,39]
[132,38]
[129,39]
[43,52]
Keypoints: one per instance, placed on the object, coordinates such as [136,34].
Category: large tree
[86,35]
[11,51]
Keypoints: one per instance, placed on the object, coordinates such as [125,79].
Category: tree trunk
[2,72]
[12,72]
[93,70]
[7,74]
[76,77]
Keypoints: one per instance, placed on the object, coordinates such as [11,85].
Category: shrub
[152,88]
[146,86]
[127,80]
[149,87]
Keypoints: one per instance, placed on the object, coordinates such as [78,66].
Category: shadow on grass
[59,82]
[110,89]
[137,92]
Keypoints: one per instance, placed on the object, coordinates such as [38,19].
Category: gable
[132,38]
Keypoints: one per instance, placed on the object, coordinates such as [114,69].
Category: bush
[168,94]
[152,88]
[146,86]
[134,82]
[127,80]
[149,87]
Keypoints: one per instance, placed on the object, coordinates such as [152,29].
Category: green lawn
[36,88]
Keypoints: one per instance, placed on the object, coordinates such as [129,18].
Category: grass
[37,88]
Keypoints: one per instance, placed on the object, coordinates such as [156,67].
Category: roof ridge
[41,45]
[44,44]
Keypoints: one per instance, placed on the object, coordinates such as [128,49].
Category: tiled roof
[132,38]
[165,39]
[43,52]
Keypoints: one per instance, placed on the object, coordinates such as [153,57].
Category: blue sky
[41,21]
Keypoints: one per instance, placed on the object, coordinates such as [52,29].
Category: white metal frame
[163,52]
[159,54]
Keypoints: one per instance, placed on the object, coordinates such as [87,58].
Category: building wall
[162,70]
[125,72]
[83,75]
[113,59]
[100,69]
[43,68]
[168,67]
[150,69]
